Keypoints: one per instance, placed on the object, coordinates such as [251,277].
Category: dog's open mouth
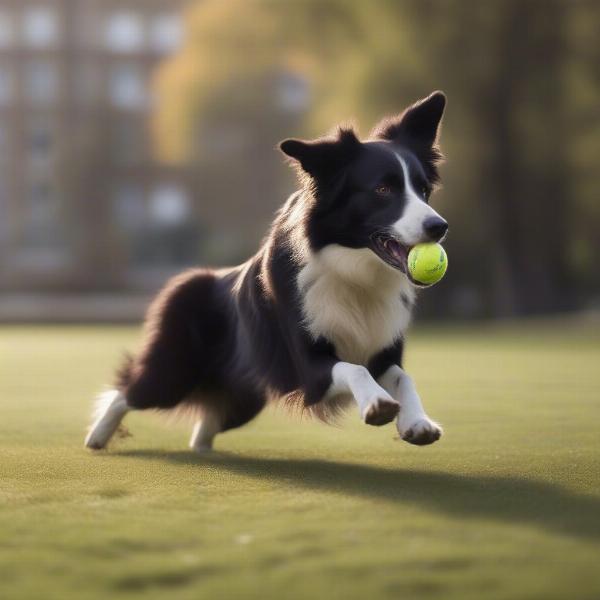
[390,250]
[393,252]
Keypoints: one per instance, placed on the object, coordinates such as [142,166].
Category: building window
[40,27]
[6,30]
[40,201]
[41,82]
[124,32]
[127,87]
[4,222]
[6,85]
[87,83]
[166,33]
[42,209]
[127,141]
[40,141]
[169,205]
[129,206]
[43,228]
[4,141]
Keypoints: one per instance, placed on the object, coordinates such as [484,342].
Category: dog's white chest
[358,305]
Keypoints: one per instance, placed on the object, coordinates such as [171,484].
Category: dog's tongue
[396,249]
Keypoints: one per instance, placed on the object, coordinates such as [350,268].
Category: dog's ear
[419,123]
[325,155]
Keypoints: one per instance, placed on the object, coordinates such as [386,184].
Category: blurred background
[137,138]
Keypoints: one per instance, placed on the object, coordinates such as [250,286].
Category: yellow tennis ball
[427,263]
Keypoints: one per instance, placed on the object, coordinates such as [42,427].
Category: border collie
[318,316]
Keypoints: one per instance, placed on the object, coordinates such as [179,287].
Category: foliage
[522,129]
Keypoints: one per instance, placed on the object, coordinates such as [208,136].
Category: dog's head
[375,194]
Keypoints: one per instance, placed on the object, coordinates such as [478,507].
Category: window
[43,228]
[127,141]
[127,87]
[6,30]
[6,85]
[41,205]
[4,141]
[129,206]
[88,84]
[41,82]
[4,222]
[40,27]
[166,33]
[124,32]
[40,141]
[169,205]
[40,199]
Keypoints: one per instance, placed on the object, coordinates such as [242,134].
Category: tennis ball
[427,263]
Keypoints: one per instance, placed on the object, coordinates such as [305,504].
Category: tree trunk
[525,178]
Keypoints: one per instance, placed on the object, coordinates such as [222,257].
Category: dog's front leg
[413,424]
[376,406]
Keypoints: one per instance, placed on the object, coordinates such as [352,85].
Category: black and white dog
[318,315]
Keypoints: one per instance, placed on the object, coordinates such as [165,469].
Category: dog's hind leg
[110,409]
[229,410]
[205,431]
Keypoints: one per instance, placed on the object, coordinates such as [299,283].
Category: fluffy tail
[109,409]
[124,373]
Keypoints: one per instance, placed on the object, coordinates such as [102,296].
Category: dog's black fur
[230,339]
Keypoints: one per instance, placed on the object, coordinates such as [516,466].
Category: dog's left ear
[324,156]
[419,123]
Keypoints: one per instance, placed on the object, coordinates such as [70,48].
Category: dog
[318,315]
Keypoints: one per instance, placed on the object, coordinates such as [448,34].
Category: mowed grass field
[506,505]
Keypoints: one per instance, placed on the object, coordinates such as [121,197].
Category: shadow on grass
[499,498]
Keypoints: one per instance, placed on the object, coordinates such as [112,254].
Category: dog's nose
[435,228]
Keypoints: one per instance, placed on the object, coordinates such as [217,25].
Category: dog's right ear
[323,156]
[419,122]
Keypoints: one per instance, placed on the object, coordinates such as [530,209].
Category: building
[83,202]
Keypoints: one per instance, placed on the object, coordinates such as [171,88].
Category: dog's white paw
[421,431]
[381,410]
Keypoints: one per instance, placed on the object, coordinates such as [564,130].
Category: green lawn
[506,505]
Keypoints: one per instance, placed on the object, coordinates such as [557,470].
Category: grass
[507,505]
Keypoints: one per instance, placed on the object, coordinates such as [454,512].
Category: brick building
[84,204]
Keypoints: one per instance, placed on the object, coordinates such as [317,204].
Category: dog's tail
[124,374]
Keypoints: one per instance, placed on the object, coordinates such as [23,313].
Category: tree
[520,193]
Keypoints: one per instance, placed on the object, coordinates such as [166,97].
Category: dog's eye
[383,190]
[425,191]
